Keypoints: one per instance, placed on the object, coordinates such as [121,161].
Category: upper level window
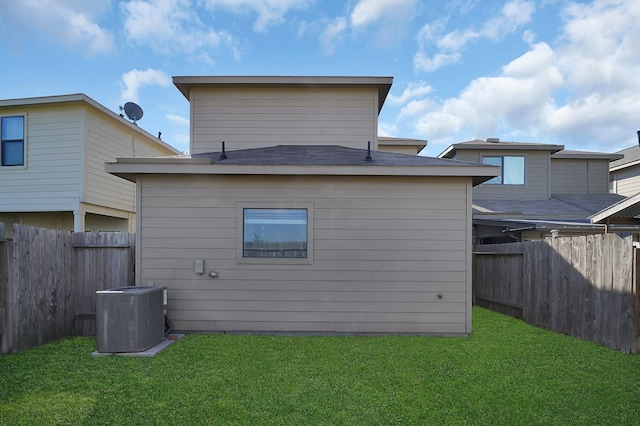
[275,233]
[12,141]
[511,170]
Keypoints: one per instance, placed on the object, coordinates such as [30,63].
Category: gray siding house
[299,223]
[542,191]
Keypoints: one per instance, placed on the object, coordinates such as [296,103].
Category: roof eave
[129,170]
[419,143]
[623,166]
[614,209]
[586,156]
[186,83]
[498,146]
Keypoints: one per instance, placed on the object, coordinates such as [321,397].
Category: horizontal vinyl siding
[536,175]
[107,140]
[51,179]
[383,252]
[251,118]
[627,181]
[598,176]
[579,176]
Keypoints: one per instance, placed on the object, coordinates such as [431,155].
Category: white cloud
[331,34]
[369,11]
[135,80]
[511,18]
[600,61]
[390,16]
[97,39]
[170,26]
[270,12]
[520,97]
[424,63]
[387,129]
[514,15]
[72,23]
[583,91]
[413,90]
[416,107]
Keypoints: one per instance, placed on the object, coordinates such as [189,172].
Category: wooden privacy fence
[48,282]
[585,287]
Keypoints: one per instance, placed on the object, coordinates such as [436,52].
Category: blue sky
[550,71]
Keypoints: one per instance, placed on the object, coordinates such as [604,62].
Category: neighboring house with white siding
[543,190]
[300,222]
[625,172]
[52,155]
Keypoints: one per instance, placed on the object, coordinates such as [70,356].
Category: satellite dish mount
[133,111]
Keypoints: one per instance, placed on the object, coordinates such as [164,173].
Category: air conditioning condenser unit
[129,319]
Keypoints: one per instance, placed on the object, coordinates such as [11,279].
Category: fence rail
[48,282]
[585,287]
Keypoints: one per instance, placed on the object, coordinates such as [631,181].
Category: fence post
[635,291]
[4,279]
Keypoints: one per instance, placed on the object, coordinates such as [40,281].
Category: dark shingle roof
[574,206]
[631,156]
[324,155]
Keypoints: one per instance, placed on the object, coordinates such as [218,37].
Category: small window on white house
[12,141]
[275,233]
[511,170]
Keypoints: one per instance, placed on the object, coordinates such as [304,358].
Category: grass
[506,372]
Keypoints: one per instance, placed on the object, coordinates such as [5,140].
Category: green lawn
[506,372]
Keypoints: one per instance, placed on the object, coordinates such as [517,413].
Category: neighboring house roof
[571,212]
[630,157]
[516,225]
[628,208]
[303,160]
[496,144]
[586,155]
[186,83]
[81,97]
[576,207]
[386,140]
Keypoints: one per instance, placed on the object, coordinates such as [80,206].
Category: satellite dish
[133,111]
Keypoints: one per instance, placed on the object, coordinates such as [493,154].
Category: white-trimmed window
[275,233]
[12,146]
[511,169]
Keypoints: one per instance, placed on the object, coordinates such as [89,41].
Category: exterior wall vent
[493,140]
[129,319]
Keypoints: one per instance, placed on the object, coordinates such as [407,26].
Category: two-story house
[52,155]
[288,216]
[542,190]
